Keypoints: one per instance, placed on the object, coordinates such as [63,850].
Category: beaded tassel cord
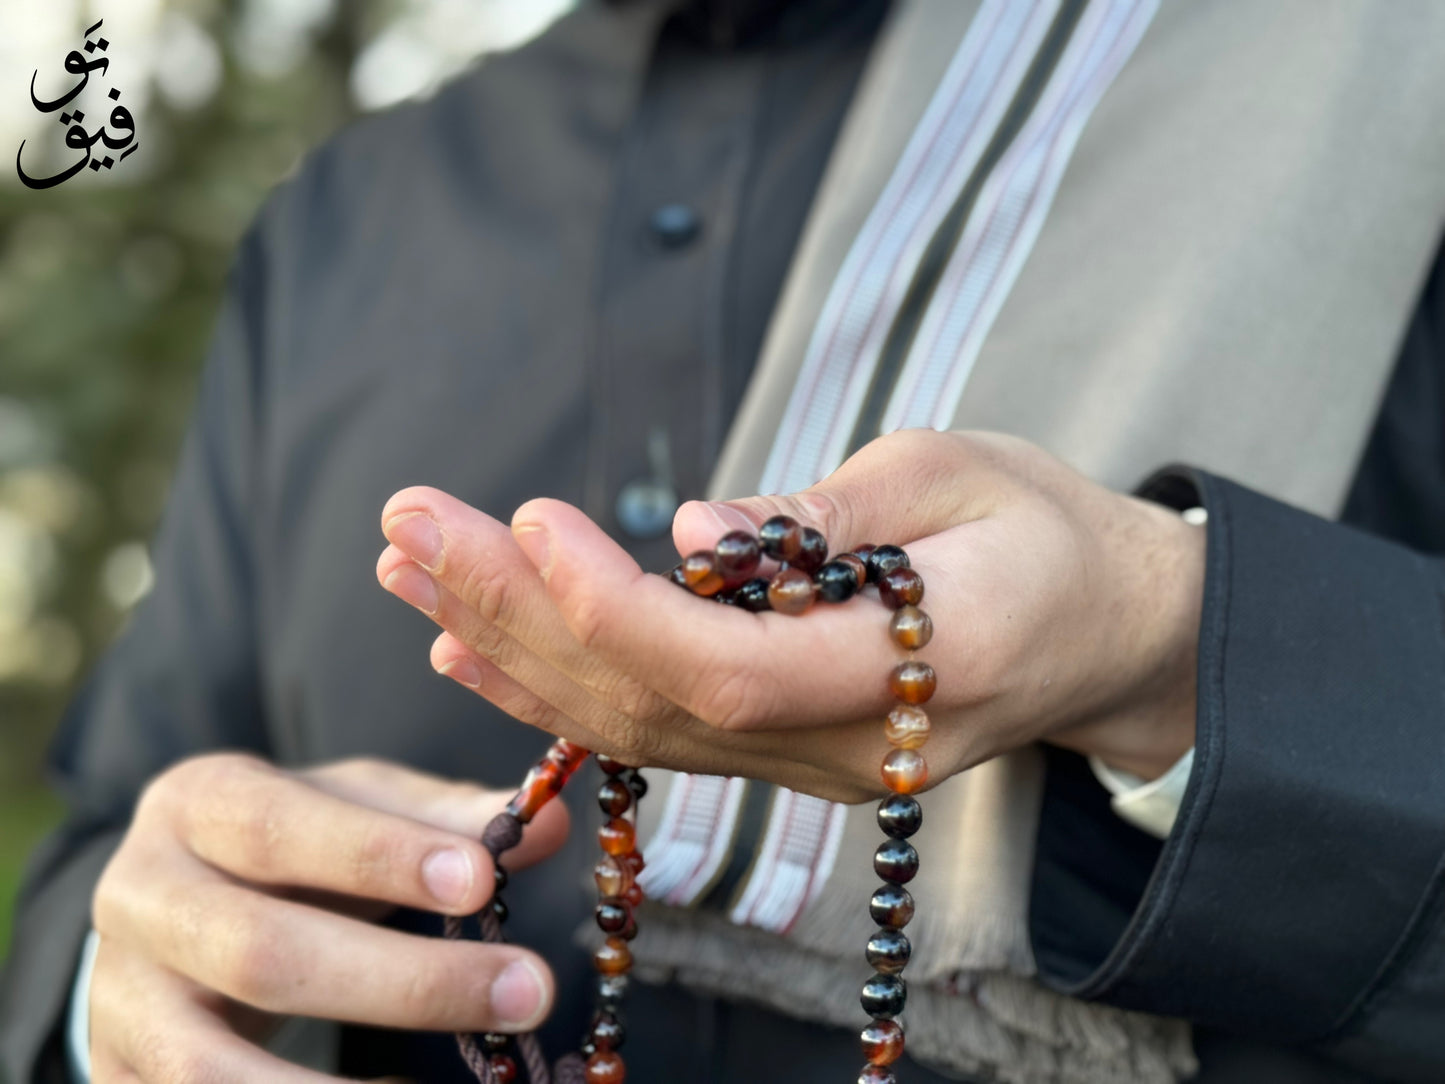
[493,1057]
[805,575]
[727,574]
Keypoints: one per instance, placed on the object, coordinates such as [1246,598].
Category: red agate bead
[617,836]
[900,587]
[904,771]
[605,1067]
[913,681]
[882,1042]
[738,555]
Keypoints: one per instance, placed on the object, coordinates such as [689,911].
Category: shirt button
[675,225]
[645,508]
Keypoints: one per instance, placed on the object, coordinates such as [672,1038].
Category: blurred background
[109,283]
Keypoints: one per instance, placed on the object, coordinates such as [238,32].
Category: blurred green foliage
[107,295]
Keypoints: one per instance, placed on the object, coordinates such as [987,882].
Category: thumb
[897,489]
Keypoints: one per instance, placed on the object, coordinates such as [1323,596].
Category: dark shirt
[478,293]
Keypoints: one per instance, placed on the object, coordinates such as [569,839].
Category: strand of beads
[492,1056]
[619,892]
[805,575]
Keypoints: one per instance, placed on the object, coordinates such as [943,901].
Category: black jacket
[478,293]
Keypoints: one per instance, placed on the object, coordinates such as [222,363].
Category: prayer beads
[807,575]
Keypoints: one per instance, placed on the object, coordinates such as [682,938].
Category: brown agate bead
[605,1067]
[882,1042]
[738,555]
[610,765]
[615,797]
[904,771]
[633,861]
[606,1032]
[813,553]
[911,628]
[877,1074]
[675,574]
[900,587]
[896,861]
[888,951]
[907,727]
[913,681]
[781,538]
[613,876]
[613,957]
[612,915]
[617,836]
[504,1069]
[633,894]
[791,591]
[701,573]
[883,560]
[891,906]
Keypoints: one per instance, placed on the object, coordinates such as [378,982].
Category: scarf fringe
[983,1022]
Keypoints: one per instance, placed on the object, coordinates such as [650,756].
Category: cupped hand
[1063,611]
[242,894]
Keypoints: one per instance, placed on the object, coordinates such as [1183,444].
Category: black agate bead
[891,906]
[753,596]
[884,996]
[888,951]
[900,815]
[837,582]
[895,860]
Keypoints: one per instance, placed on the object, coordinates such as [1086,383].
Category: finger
[463,808]
[733,670]
[283,957]
[149,1025]
[736,670]
[267,827]
[896,489]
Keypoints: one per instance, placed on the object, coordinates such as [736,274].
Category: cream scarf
[1202,244]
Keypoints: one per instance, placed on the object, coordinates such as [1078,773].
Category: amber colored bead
[738,555]
[836,582]
[633,894]
[614,797]
[905,771]
[791,591]
[877,1074]
[911,628]
[888,951]
[612,914]
[864,552]
[614,877]
[617,836]
[900,815]
[701,573]
[781,538]
[633,861]
[814,551]
[900,587]
[606,1031]
[605,1067]
[907,727]
[913,681]
[753,596]
[538,788]
[891,906]
[613,957]
[504,1069]
[882,1042]
[883,560]
[884,996]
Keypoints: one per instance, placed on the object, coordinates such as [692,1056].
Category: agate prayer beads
[805,575]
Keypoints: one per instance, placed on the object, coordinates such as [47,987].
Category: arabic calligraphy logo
[76,137]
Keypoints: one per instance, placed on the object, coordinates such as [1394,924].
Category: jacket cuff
[1309,832]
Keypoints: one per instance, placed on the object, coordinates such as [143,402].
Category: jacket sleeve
[181,679]
[1298,898]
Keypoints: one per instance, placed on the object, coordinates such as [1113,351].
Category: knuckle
[425,993]
[735,700]
[253,963]
[375,860]
[587,617]
[825,510]
[166,1061]
[485,588]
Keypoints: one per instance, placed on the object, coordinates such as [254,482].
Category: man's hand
[1063,612]
[243,893]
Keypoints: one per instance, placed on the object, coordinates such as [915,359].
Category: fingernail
[729,518]
[536,543]
[418,537]
[414,587]
[519,995]
[464,671]
[448,875]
